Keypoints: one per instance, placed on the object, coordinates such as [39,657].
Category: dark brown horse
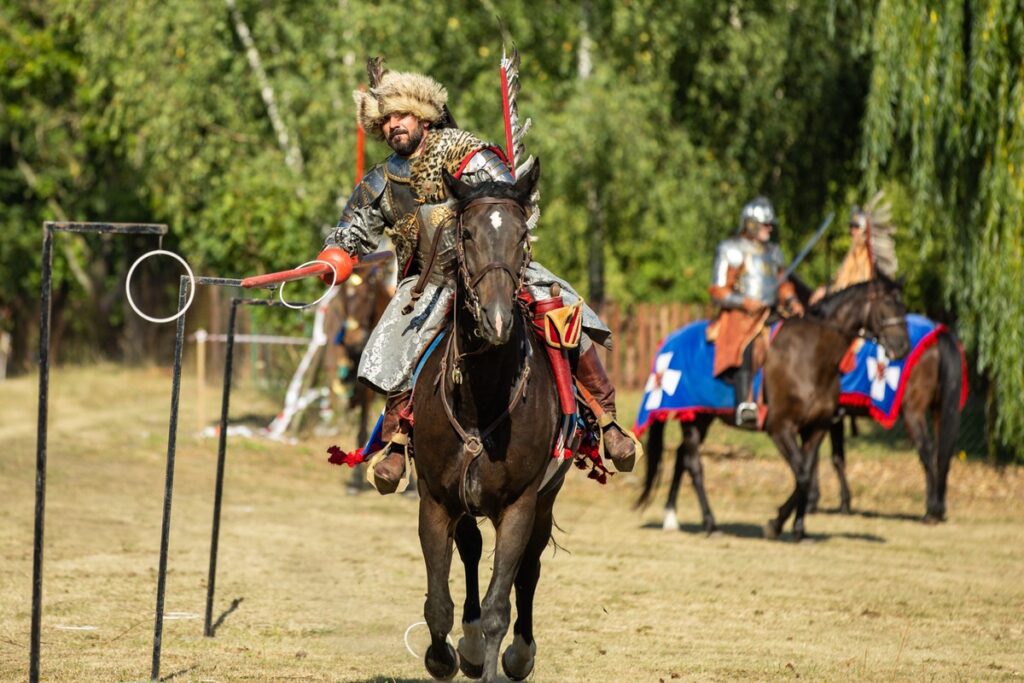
[801,379]
[931,414]
[486,417]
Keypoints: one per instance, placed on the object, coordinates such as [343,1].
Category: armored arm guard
[362,223]
[486,165]
[728,261]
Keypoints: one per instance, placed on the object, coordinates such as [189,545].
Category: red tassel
[340,457]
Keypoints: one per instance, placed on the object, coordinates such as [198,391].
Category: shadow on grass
[872,514]
[224,615]
[389,679]
[755,531]
[180,672]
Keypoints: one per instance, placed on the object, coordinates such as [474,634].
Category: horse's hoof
[471,649]
[517,661]
[931,519]
[845,509]
[442,668]
[771,530]
[713,532]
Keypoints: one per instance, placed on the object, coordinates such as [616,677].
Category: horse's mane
[827,306]
[494,189]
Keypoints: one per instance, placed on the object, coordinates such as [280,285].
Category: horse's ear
[527,182]
[456,188]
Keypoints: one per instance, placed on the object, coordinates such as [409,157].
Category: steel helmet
[756,211]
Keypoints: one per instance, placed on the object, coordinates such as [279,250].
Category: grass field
[324,585]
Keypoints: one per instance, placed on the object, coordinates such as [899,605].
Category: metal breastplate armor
[761,265]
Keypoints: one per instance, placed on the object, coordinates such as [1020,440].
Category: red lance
[506,113]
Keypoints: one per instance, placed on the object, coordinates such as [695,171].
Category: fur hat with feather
[396,91]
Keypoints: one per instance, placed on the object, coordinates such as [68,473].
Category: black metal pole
[44,390]
[229,355]
[169,480]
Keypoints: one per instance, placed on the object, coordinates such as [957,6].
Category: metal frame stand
[44,344]
[222,444]
[50,227]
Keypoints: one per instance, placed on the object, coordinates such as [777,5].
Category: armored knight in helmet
[405,198]
[746,287]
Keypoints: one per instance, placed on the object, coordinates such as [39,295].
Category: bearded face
[404,133]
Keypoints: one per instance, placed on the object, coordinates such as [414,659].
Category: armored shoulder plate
[366,193]
[486,165]
[398,169]
[728,255]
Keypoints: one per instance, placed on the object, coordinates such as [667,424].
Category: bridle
[471,280]
[880,325]
[473,443]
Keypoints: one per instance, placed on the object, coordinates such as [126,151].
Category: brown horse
[931,413]
[486,418]
[801,379]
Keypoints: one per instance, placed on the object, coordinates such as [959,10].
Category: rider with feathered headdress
[872,249]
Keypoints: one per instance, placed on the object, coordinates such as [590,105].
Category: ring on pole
[191,293]
[334,280]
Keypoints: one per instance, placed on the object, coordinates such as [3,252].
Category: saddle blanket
[681,385]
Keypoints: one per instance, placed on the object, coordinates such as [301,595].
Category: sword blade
[808,246]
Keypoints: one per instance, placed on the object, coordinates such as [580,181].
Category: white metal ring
[334,281]
[191,293]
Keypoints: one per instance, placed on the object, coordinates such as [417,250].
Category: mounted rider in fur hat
[746,287]
[405,198]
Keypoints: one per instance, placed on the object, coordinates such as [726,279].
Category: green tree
[945,118]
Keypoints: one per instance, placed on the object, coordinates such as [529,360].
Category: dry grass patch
[324,585]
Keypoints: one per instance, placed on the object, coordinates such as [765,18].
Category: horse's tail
[655,445]
[951,377]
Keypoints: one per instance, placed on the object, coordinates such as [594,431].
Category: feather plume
[510,67]
[375,71]
[880,235]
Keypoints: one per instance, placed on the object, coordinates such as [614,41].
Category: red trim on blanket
[887,420]
[680,414]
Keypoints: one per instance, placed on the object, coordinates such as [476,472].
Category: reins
[473,444]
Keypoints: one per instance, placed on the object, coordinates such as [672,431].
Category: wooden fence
[637,331]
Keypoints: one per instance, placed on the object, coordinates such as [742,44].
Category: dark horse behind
[801,380]
[932,399]
[486,422]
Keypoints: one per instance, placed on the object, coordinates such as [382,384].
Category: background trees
[232,121]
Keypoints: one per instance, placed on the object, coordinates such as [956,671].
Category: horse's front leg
[838,438]
[517,661]
[438,610]
[471,644]
[806,472]
[514,531]
[786,441]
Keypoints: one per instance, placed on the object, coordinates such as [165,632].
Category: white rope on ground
[409,647]
[191,289]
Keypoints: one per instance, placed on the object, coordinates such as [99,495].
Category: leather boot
[620,446]
[388,472]
[746,410]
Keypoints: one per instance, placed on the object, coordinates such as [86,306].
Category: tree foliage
[945,119]
[232,121]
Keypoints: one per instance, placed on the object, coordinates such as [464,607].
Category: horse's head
[493,247]
[875,306]
[885,316]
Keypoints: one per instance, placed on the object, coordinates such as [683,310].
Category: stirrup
[606,421]
[382,487]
